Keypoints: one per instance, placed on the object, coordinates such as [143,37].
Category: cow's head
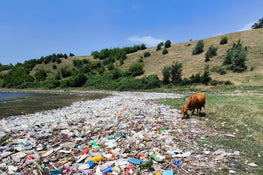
[184,112]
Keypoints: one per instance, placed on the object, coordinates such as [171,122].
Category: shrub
[214,82]
[140,60]
[78,80]
[143,47]
[58,60]
[176,72]
[16,76]
[40,75]
[165,51]
[167,44]
[54,66]
[228,82]
[159,46]
[236,57]
[198,48]
[77,63]
[65,73]
[116,73]
[205,78]
[218,69]
[147,54]
[110,66]
[223,40]
[195,78]
[211,52]
[57,77]
[166,75]
[150,82]
[258,24]
[71,55]
[136,69]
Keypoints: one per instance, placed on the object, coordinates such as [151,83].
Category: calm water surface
[13,95]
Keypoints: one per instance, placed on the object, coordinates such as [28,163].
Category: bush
[78,80]
[40,75]
[223,40]
[140,60]
[198,48]
[16,76]
[143,47]
[150,82]
[165,51]
[166,75]
[167,44]
[54,66]
[116,73]
[214,82]
[110,66]
[176,72]
[58,60]
[218,69]
[228,82]
[147,54]
[236,57]
[136,69]
[65,73]
[205,78]
[211,52]
[159,46]
[195,78]
[77,63]
[258,24]
[71,55]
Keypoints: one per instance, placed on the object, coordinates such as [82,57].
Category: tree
[159,46]
[236,57]
[176,73]
[40,75]
[147,54]
[16,76]
[223,40]
[165,51]
[198,48]
[71,55]
[258,24]
[167,44]
[166,75]
[143,46]
[205,78]
[211,52]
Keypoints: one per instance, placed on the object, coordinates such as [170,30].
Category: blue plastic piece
[135,161]
[91,164]
[168,172]
[177,163]
[118,135]
[55,172]
[106,170]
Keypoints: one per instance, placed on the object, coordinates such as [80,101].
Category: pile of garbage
[125,133]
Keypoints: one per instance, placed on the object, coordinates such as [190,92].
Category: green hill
[252,40]
[192,64]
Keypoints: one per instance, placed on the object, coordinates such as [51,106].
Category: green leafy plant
[198,47]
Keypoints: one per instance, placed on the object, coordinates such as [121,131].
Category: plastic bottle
[96,158]
[154,157]
[146,164]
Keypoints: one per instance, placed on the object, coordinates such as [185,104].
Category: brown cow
[195,101]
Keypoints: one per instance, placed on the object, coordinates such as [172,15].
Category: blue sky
[30,29]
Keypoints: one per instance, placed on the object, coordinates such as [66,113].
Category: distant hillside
[153,64]
[192,64]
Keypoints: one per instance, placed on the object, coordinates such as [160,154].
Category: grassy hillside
[181,52]
[193,64]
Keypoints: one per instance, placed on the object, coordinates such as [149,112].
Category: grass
[240,114]
[192,64]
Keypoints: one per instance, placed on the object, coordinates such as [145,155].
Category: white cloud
[247,26]
[148,40]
